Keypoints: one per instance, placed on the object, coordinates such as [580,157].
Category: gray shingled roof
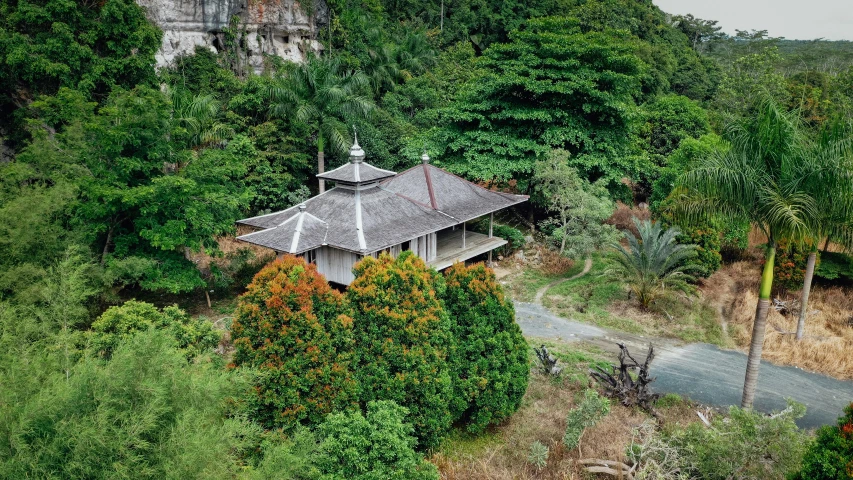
[389,213]
[453,195]
[356,173]
[292,235]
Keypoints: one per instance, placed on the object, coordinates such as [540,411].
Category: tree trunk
[321,160]
[753,362]
[321,166]
[804,301]
[826,245]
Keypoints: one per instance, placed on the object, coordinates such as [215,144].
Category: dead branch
[617,469]
[620,384]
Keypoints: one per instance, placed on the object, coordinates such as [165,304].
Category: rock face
[284,28]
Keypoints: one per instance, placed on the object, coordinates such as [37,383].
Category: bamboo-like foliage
[654,262]
[322,95]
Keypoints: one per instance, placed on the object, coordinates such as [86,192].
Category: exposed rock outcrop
[285,28]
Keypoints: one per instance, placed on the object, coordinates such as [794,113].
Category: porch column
[491,221]
[463,234]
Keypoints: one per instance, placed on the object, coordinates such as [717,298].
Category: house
[371,210]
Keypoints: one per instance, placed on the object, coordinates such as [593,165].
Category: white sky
[792,19]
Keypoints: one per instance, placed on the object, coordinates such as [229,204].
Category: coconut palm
[762,178]
[654,262]
[831,183]
[322,95]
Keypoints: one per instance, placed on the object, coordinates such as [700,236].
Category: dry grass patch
[828,337]
[542,417]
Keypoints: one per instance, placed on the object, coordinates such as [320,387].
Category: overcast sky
[792,19]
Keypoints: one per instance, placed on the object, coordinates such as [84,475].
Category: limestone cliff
[281,27]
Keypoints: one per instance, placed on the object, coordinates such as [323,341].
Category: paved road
[703,372]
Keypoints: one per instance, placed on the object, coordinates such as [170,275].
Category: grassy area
[502,452]
[522,285]
[604,302]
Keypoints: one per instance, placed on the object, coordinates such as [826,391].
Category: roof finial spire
[356,154]
[425,157]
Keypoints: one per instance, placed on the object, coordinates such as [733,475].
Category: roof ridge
[428,178]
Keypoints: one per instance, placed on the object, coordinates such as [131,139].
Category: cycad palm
[762,179]
[654,262]
[320,94]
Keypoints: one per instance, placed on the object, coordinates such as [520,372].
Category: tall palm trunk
[321,162]
[753,362]
[807,287]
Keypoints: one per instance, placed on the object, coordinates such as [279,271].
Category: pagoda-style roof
[356,171]
[371,209]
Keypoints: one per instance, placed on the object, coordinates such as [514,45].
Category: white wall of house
[336,265]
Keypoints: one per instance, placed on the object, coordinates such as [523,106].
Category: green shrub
[789,271]
[193,335]
[289,326]
[834,266]
[513,236]
[146,413]
[403,336]
[538,455]
[373,447]
[490,363]
[830,457]
[746,445]
[591,409]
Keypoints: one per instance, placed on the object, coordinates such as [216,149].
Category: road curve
[703,372]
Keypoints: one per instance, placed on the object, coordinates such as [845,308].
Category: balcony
[460,245]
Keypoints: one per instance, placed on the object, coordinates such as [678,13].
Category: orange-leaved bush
[402,335]
[289,325]
[489,365]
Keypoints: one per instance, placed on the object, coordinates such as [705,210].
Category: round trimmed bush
[289,326]
[490,364]
[194,336]
[403,338]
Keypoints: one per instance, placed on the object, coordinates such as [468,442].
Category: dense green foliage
[90,47]
[349,445]
[117,324]
[379,445]
[289,326]
[746,444]
[552,86]
[145,413]
[490,362]
[830,457]
[403,336]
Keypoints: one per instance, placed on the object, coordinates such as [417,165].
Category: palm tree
[197,118]
[760,178]
[322,95]
[831,183]
[654,262]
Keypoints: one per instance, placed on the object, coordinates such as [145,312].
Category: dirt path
[703,372]
[587,265]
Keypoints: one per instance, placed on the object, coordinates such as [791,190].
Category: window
[406,246]
[310,256]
